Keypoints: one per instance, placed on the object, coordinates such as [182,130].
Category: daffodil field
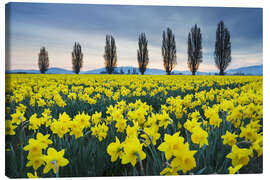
[131,125]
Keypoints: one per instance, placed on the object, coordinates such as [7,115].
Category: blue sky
[57,27]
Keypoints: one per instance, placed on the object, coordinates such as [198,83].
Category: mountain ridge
[247,70]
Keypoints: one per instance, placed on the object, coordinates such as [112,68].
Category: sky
[30,26]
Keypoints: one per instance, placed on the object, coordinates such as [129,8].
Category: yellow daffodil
[199,136]
[35,162]
[229,138]
[185,161]
[239,156]
[115,150]
[34,147]
[233,170]
[44,139]
[100,131]
[30,175]
[9,128]
[171,144]
[132,151]
[54,160]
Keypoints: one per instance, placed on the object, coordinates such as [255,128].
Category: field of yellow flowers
[114,125]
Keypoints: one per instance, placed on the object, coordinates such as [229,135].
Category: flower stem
[56,170]
[141,165]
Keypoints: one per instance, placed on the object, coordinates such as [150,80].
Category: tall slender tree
[194,49]
[142,53]
[110,55]
[168,51]
[77,58]
[222,52]
[43,60]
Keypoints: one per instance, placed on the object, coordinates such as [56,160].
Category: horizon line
[7,69]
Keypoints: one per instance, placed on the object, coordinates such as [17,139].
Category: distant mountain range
[249,70]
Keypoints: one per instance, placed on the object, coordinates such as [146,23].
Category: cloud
[250,59]
[58,26]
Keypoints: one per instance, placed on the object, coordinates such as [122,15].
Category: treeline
[222,52]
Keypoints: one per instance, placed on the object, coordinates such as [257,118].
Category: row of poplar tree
[222,53]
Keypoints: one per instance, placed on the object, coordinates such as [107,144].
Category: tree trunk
[193,72]
[221,72]
[168,72]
